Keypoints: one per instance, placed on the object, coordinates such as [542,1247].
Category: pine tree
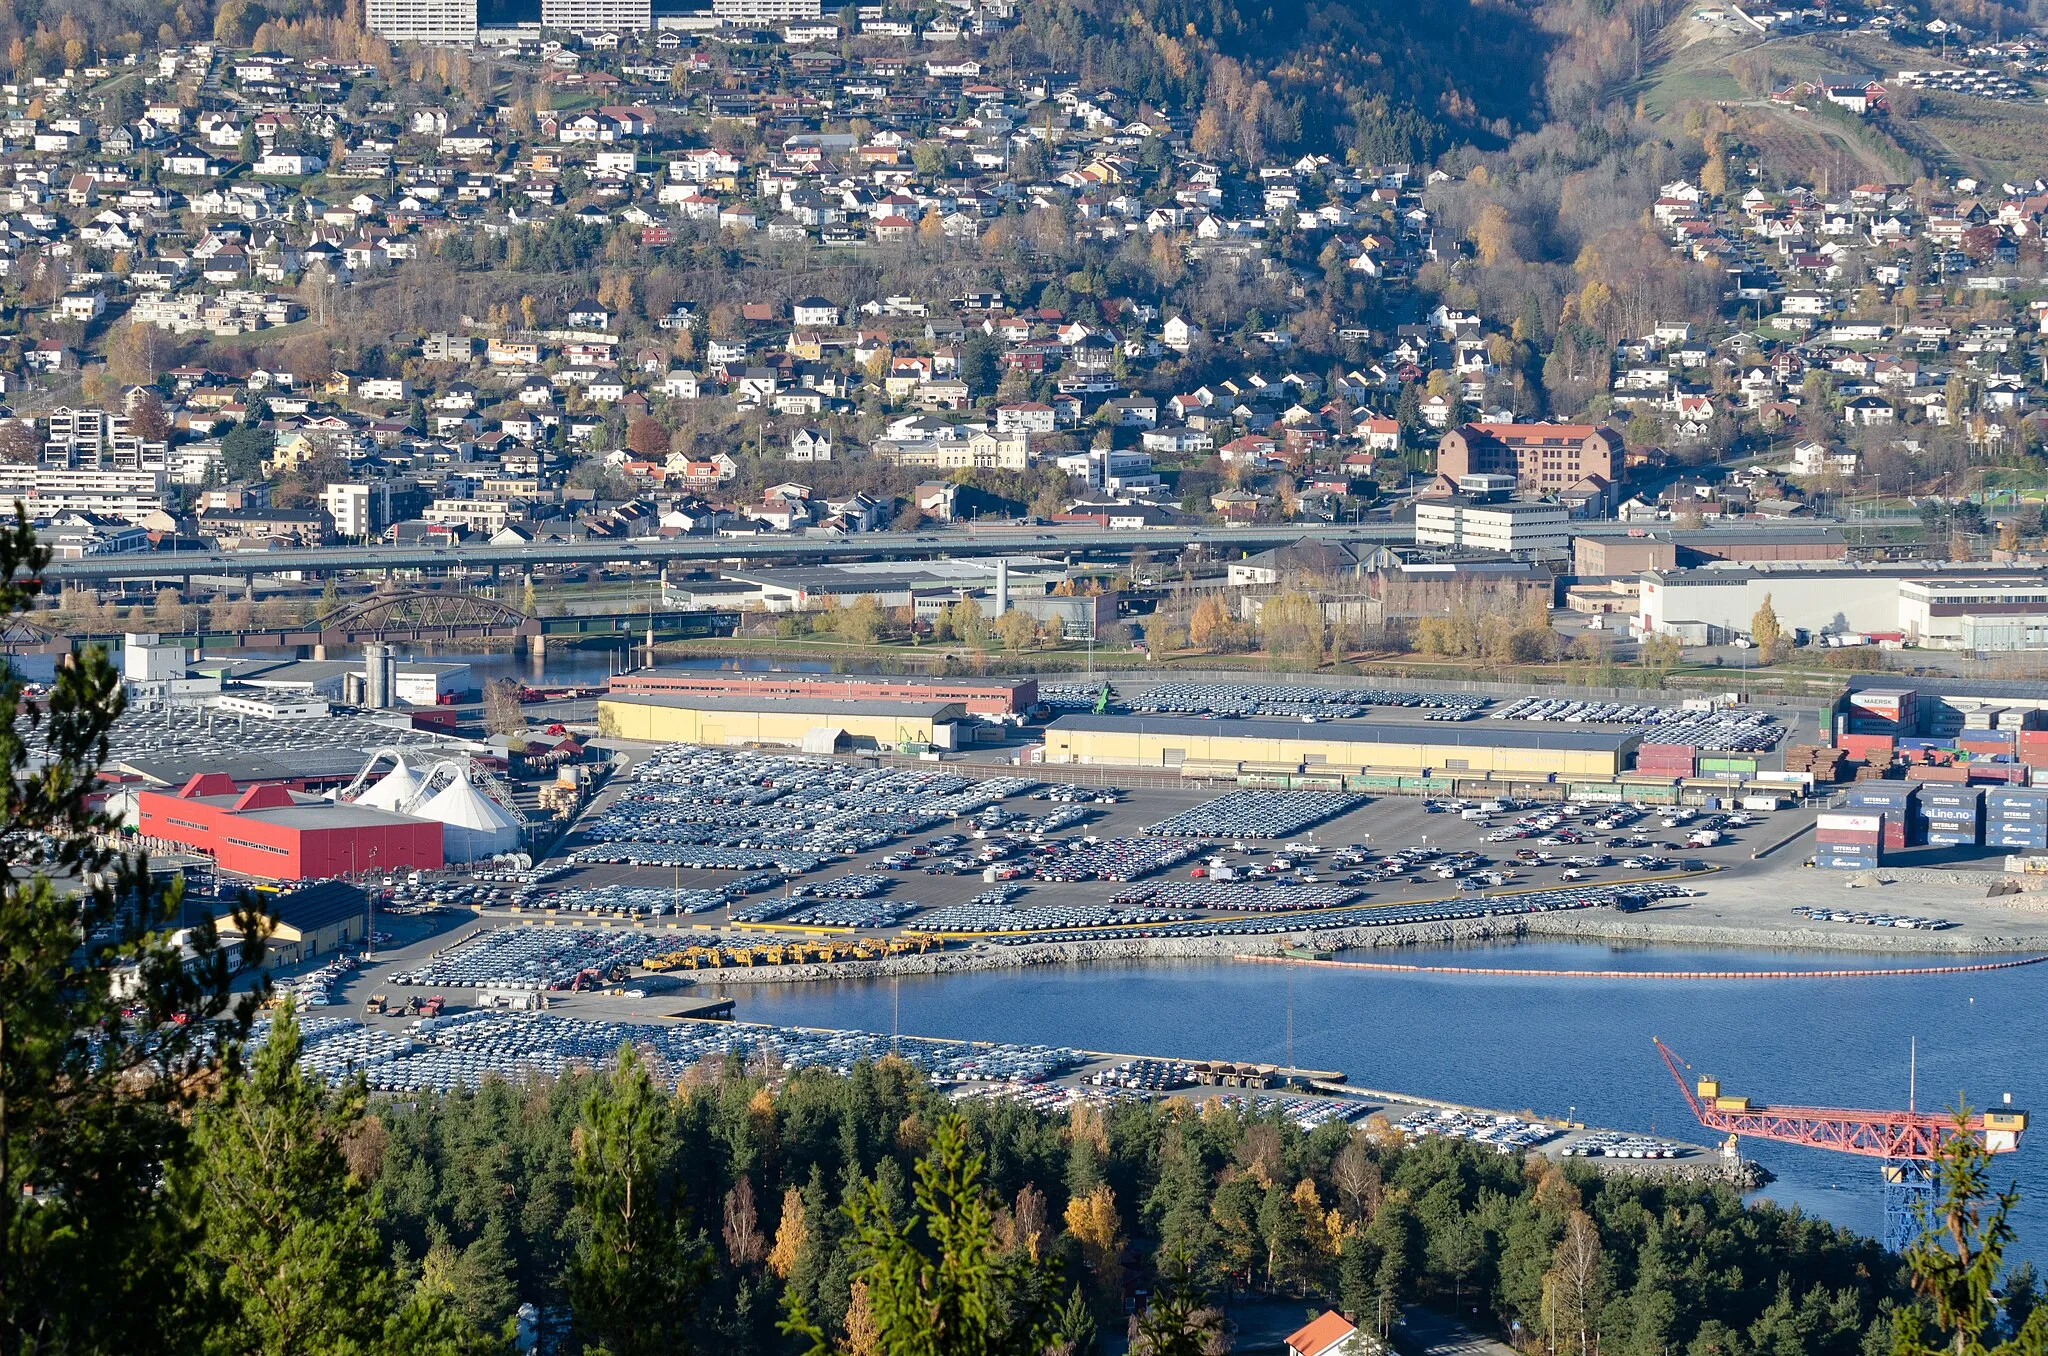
[940,1284]
[95,1075]
[1958,1265]
[288,1257]
[637,1275]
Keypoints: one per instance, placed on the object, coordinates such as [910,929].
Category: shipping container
[1865,823]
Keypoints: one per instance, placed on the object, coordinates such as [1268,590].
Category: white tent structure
[472,824]
[394,789]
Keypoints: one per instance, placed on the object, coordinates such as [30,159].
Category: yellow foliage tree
[790,1235]
[1092,1220]
[1495,236]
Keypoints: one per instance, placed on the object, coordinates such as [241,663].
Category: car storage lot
[1382,825]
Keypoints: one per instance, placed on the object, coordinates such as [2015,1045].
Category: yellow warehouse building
[1458,750]
[815,726]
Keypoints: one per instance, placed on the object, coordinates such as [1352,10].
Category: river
[1552,1045]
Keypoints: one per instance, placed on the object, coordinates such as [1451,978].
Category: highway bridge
[182,566]
[407,617]
[185,565]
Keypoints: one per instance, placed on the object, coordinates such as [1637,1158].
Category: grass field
[1992,140]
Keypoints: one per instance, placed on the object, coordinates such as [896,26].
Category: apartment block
[446,22]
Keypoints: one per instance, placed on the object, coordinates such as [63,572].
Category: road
[864,546]
[1425,1332]
[768,549]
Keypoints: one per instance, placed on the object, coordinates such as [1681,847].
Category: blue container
[1869,797]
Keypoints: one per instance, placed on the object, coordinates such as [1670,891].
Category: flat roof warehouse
[1171,741]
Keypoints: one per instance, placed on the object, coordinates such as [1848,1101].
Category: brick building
[1544,459]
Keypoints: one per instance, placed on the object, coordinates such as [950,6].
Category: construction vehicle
[1907,1141]
[794,951]
[1102,700]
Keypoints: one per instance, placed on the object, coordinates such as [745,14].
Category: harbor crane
[1907,1141]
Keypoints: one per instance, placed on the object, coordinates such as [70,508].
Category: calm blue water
[1546,1044]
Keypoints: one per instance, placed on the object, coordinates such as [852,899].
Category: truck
[377,1005]
[1703,838]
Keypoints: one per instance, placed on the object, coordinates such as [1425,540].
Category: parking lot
[1035,865]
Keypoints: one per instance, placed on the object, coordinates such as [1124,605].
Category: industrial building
[1973,609]
[813,725]
[979,696]
[1172,741]
[271,833]
[891,583]
[1603,556]
[312,922]
[412,682]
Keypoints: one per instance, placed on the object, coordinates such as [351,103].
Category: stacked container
[1952,814]
[1665,760]
[1875,750]
[1897,802]
[1883,711]
[2016,817]
[2034,748]
[1849,841]
[1728,767]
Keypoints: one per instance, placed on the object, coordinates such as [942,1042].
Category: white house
[809,444]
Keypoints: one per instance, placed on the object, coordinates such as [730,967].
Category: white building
[1976,612]
[1481,515]
[430,21]
[763,13]
[476,515]
[1678,602]
[359,510]
[588,16]
[131,496]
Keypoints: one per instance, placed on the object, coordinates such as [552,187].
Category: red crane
[1907,1140]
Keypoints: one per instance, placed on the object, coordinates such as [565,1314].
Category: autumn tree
[1292,624]
[502,715]
[1093,1221]
[1574,1278]
[646,438]
[1768,632]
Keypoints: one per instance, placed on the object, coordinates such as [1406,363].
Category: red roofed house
[1331,1335]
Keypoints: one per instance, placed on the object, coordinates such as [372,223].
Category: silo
[379,676]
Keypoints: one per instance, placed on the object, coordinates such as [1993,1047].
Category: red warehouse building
[276,834]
